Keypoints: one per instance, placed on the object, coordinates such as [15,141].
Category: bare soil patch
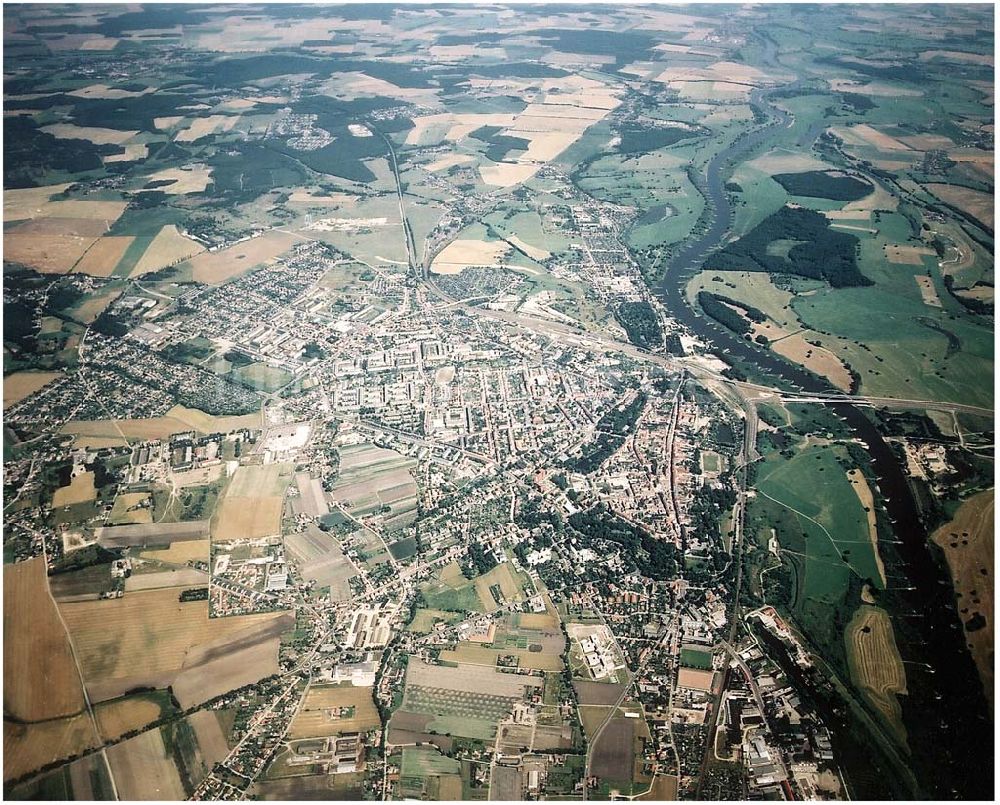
[977,204]
[143,770]
[102,257]
[96,135]
[460,254]
[906,255]
[147,638]
[80,489]
[23,384]
[214,268]
[40,678]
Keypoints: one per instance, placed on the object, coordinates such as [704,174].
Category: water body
[945,712]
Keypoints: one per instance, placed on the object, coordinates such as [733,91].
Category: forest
[815,250]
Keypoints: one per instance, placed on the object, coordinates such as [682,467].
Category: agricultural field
[335,710]
[462,700]
[428,261]
[143,769]
[80,490]
[374,480]
[253,502]
[177,420]
[150,639]
[535,649]
[217,267]
[118,716]
[320,559]
[34,638]
[876,667]
[967,543]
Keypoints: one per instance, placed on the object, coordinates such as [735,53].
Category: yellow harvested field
[95,304]
[253,503]
[928,142]
[169,122]
[180,553]
[864,492]
[23,384]
[117,717]
[51,245]
[98,136]
[104,92]
[190,179]
[876,667]
[168,248]
[817,359]
[211,739]
[540,621]
[448,53]
[449,161]
[428,129]
[214,268]
[27,747]
[350,85]
[210,673]
[500,575]
[984,293]
[198,476]
[724,71]
[863,134]
[176,420]
[534,252]
[334,709]
[958,55]
[782,161]
[977,204]
[460,254]
[874,88]
[204,126]
[102,257]
[143,770]
[20,204]
[80,490]
[243,518]
[967,542]
[906,255]
[131,508]
[148,637]
[507,174]
[927,291]
[323,200]
[546,146]
[39,677]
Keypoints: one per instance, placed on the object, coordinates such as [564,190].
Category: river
[945,712]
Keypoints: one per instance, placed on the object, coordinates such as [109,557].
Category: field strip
[83,682]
